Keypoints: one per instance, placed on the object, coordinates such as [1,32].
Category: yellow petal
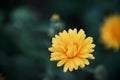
[88,40]
[82,65]
[90,46]
[76,67]
[76,64]
[51,49]
[81,35]
[79,62]
[75,31]
[58,57]
[85,61]
[71,66]
[64,37]
[90,50]
[56,54]
[74,51]
[90,56]
[83,51]
[58,48]
[70,31]
[61,62]
[57,41]
[70,51]
[83,55]
[66,66]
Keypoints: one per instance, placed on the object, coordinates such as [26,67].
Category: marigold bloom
[72,49]
[110,32]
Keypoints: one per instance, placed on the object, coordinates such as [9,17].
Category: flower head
[72,49]
[110,33]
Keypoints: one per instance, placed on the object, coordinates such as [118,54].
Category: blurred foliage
[26,30]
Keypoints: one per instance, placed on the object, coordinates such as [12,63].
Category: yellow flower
[55,17]
[72,49]
[110,32]
[1,77]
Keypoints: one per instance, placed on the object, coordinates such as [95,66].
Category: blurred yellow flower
[55,17]
[110,32]
[72,49]
[1,77]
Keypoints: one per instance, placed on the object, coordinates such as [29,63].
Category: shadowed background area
[26,30]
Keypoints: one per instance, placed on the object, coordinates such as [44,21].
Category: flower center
[71,50]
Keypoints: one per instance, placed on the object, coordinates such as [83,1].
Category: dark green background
[24,37]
